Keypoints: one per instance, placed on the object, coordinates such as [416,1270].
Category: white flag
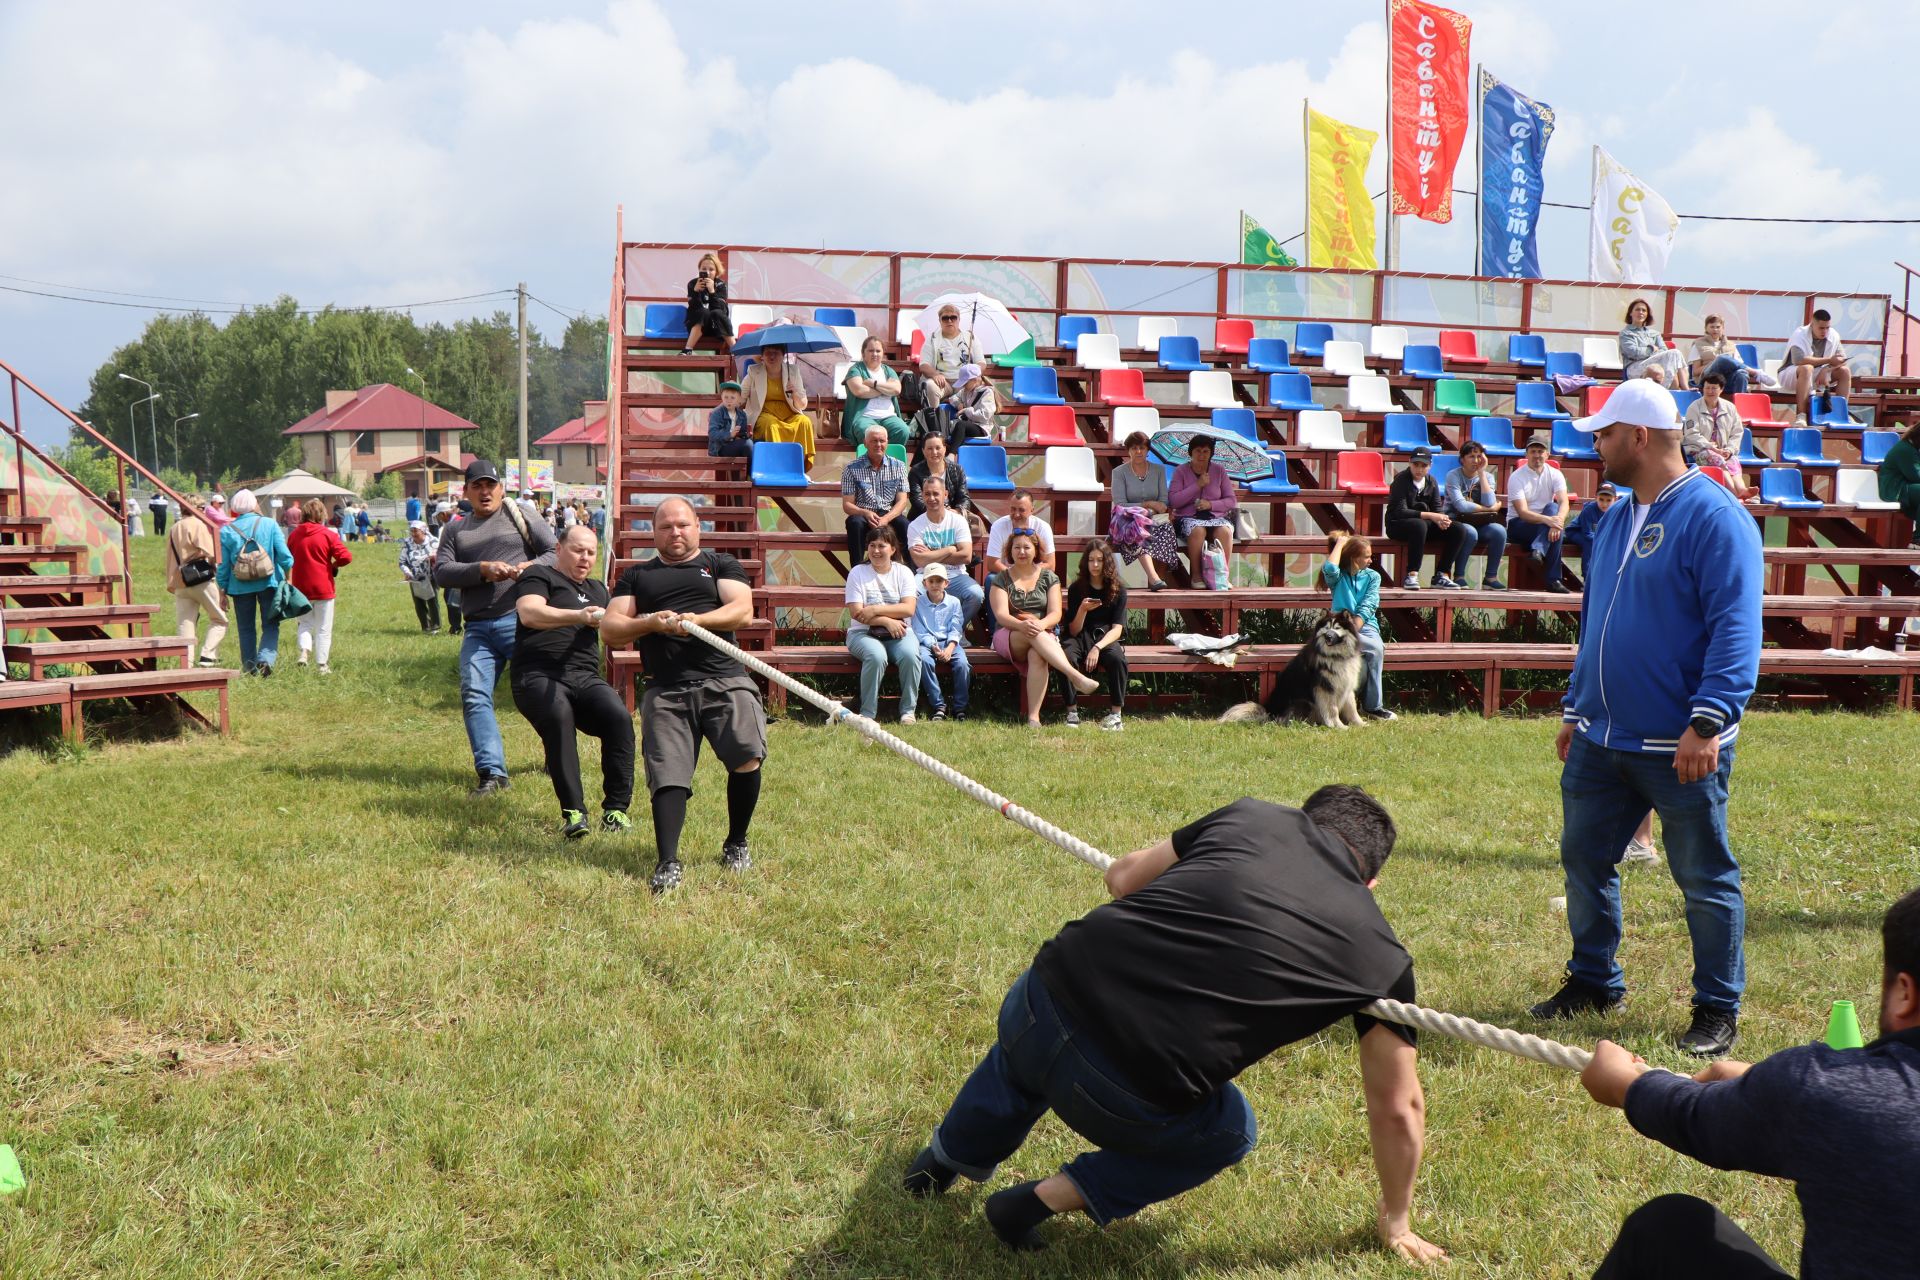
[1633,228]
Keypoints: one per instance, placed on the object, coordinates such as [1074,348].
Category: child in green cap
[729,434]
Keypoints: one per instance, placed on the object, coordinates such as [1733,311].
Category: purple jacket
[1185,489]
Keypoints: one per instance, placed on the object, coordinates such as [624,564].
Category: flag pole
[1306,187]
[1390,257]
[1243,237]
[1480,170]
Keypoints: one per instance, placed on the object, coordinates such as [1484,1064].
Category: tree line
[267,368]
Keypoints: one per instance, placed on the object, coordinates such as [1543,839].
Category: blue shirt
[1580,532]
[257,530]
[938,625]
[1354,592]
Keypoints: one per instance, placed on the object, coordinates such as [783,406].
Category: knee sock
[743,793]
[1015,1212]
[669,816]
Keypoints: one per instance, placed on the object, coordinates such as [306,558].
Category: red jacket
[317,554]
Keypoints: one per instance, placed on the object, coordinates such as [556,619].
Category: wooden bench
[35,585]
[137,618]
[134,685]
[22,554]
[21,695]
[141,652]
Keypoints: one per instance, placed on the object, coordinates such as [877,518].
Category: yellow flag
[1339,210]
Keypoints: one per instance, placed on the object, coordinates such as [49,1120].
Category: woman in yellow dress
[777,407]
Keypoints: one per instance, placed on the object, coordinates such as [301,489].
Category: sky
[361,153]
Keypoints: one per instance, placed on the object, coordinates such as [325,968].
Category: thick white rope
[1519,1044]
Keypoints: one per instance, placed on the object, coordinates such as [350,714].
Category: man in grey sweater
[483,555]
[1844,1124]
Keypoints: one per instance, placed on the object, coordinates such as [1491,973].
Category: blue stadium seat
[1405,432]
[1828,411]
[1528,350]
[1568,442]
[1873,446]
[1443,464]
[666,320]
[1275,483]
[1803,447]
[842,316]
[1781,487]
[1268,355]
[1071,327]
[1035,386]
[1749,354]
[1422,360]
[1535,402]
[780,465]
[1683,401]
[1567,362]
[1496,437]
[1238,421]
[1292,391]
[986,467]
[1749,456]
[1182,353]
[1310,338]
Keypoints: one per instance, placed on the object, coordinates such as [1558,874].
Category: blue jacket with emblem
[1669,626]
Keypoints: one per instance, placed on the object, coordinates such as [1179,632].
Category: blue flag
[1513,149]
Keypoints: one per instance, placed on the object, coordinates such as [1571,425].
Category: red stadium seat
[919,341]
[1123,386]
[1362,471]
[1232,335]
[1597,396]
[1718,473]
[1052,424]
[1755,408]
[1458,345]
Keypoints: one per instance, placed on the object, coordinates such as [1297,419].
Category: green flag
[1258,249]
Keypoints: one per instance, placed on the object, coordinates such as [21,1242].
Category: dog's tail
[1245,711]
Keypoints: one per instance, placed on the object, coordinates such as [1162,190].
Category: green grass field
[286,1004]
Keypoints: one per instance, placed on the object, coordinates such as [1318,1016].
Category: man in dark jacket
[1843,1124]
[1415,513]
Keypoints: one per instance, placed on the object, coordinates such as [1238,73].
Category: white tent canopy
[301,484]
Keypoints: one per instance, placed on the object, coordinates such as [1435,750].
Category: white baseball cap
[1638,402]
[934,570]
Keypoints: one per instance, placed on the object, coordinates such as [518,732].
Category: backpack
[254,565]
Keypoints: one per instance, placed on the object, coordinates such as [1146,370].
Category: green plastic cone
[11,1179]
[1843,1026]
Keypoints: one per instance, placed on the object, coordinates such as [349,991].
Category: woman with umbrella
[944,354]
[1201,497]
[777,406]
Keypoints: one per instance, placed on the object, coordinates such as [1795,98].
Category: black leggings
[1113,661]
[1415,534]
[557,709]
[1684,1236]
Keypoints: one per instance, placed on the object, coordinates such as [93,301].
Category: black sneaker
[960,716]
[734,855]
[615,822]
[926,1176]
[576,828]
[1711,1033]
[1575,997]
[491,784]
[665,876]
[938,715]
[1560,588]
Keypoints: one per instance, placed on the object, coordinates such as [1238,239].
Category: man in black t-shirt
[693,690]
[1247,930]
[558,686]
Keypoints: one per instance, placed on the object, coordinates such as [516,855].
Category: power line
[237,310]
[559,311]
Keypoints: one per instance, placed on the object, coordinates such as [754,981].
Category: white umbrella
[993,327]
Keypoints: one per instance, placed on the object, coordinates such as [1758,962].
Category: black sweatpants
[858,531]
[1113,661]
[1684,1236]
[557,709]
[453,610]
[428,611]
[1416,533]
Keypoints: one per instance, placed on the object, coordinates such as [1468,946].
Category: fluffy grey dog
[1318,685]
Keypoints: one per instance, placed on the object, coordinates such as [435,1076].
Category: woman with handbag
[254,560]
[416,570]
[192,552]
[318,554]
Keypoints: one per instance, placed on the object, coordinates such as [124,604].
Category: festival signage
[1513,150]
[1427,103]
[1340,229]
[539,476]
[1633,228]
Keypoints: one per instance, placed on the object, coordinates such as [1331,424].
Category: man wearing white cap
[1669,653]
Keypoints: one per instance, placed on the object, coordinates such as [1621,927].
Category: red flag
[1428,105]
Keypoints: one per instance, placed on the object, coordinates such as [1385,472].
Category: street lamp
[153,423]
[176,437]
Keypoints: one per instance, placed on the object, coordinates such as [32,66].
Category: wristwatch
[1704,727]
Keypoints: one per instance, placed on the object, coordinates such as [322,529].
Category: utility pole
[526,465]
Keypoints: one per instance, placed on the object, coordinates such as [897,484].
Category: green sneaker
[615,822]
[576,828]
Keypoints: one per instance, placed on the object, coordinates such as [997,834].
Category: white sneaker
[906,717]
[1641,852]
[1112,721]
[325,670]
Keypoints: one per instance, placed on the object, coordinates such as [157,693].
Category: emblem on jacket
[1649,540]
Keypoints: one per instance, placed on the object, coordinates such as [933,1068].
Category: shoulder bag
[255,564]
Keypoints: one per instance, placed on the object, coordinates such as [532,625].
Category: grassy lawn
[287,1004]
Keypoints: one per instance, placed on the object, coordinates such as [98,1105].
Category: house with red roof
[381,428]
[578,449]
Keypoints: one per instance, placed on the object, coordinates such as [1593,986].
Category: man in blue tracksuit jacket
[1669,653]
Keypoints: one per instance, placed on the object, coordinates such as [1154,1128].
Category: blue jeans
[969,593]
[1146,1154]
[486,646]
[1373,656]
[1732,370]
[930,679]
[1531,537]
[1491,535]
[1603,794]
[876,649]
[259,639]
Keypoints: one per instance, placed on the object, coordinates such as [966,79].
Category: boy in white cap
[1669,653]
[939,624]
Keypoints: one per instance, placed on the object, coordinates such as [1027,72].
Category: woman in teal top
[250,531]
[1356,590]
[872,391]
